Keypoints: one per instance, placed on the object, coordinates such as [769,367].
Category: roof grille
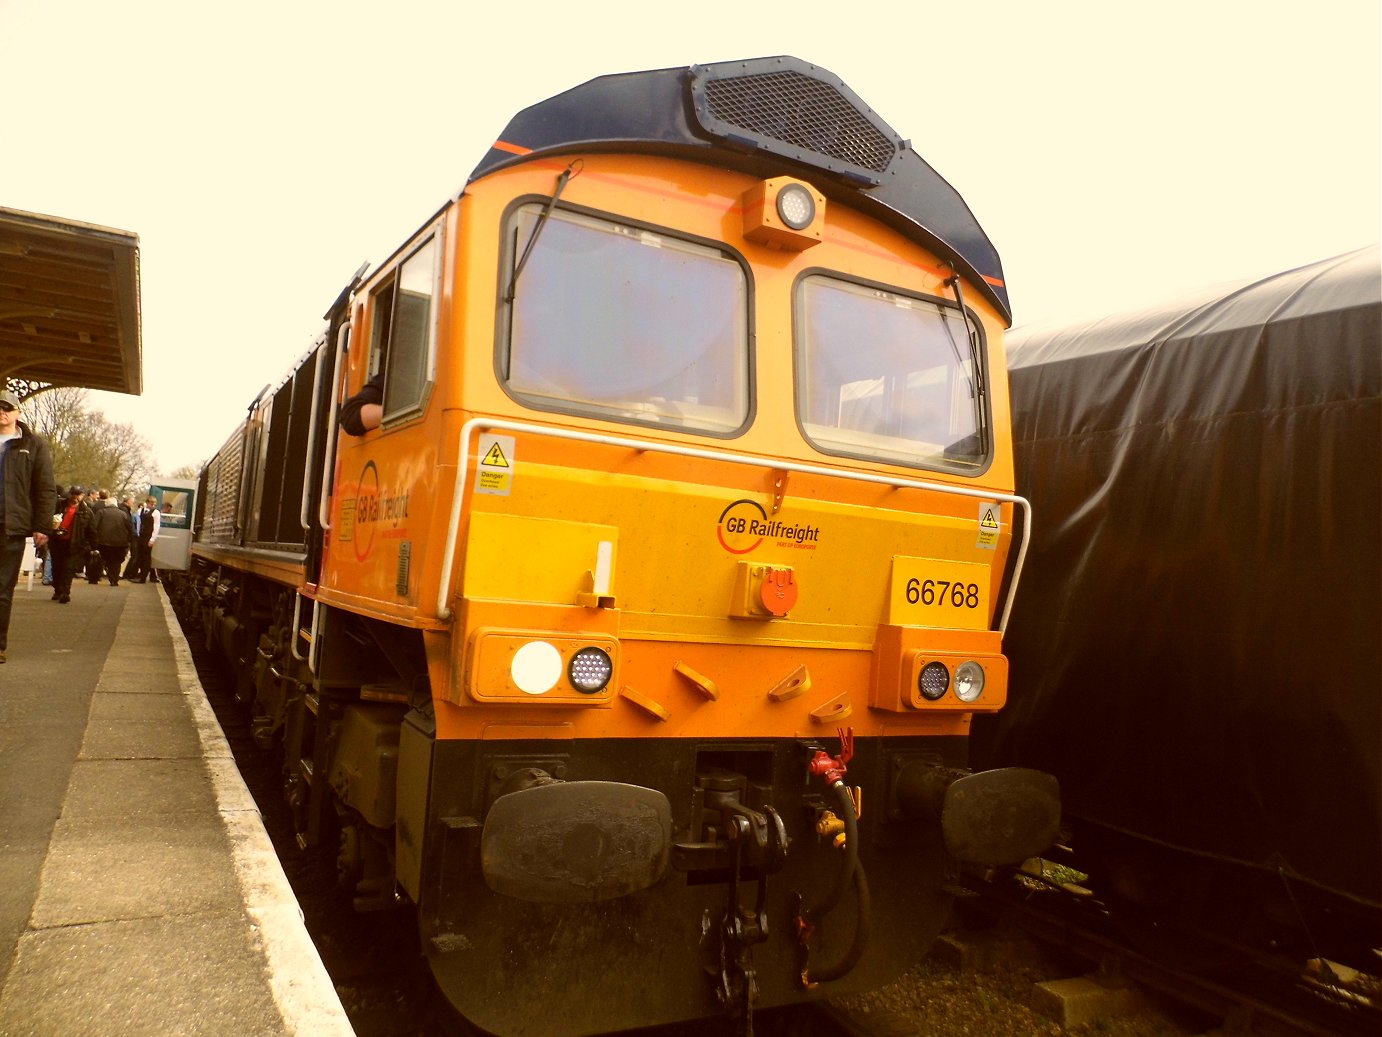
[802,112]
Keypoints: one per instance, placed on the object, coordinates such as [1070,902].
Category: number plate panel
[935,592]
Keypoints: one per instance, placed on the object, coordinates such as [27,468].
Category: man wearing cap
[26,500]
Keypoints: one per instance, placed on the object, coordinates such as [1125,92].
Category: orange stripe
[512,149]
[995,281]
[618,180]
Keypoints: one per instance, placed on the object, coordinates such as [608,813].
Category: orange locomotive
[638,647]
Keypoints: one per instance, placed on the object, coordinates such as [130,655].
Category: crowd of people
[93,537]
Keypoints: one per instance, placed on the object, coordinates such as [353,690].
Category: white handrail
[329,458]
[297,628]
[463,467]
[314,649]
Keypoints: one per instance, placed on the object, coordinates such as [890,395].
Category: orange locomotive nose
[779,591]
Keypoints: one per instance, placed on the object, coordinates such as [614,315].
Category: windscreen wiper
[562,179]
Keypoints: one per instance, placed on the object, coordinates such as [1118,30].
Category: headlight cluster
[936,678]
[516,666]
[537,668]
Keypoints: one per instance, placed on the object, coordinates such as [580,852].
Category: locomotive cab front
[646,631]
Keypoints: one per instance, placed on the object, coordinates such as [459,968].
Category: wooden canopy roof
[69,305]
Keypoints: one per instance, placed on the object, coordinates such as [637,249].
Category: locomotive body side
[688,529]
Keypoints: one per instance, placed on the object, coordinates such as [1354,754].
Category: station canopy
[69,305]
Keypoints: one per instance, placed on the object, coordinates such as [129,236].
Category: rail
[643,445]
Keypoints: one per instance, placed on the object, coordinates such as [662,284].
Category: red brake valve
[834,767]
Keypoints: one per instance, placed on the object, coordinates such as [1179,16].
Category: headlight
[536,668]
[590,670]
[969,681]
[933,681]
[551,667]
[796,207]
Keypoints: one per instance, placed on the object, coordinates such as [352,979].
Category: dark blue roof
[765,116]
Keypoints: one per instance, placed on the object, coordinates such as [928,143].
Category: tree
[55,411]
[88,449]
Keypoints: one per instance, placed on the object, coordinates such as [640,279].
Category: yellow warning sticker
[990,524]
[494,473]
[494,457]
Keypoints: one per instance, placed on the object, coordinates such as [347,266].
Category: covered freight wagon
[1197,648]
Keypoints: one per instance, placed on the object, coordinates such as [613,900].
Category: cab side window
[404,332]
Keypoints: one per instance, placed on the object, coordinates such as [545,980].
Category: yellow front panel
[680,545]
[511,557]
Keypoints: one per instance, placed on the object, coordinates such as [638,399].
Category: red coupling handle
[834,767]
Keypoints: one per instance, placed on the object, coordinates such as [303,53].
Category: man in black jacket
[114,531]
[26,501]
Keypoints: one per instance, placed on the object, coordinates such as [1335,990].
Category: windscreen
[886,376]
[627,324]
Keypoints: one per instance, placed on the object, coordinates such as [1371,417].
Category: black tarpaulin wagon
[1197,652]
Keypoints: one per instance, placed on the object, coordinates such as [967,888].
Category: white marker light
[796,207]
[969,681]
[536,668]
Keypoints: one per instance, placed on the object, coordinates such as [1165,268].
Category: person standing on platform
[69,542]
[97,501]
[146,525]
[26,501]
[114,531]
[131,509]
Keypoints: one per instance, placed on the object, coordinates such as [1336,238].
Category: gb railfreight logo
[744,525]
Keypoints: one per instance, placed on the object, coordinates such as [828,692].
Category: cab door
[177,505]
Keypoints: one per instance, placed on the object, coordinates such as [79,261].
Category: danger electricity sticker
[494,473]
[990,524]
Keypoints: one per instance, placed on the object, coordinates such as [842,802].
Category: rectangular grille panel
[802,112]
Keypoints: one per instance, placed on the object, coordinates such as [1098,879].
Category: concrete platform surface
[139,892]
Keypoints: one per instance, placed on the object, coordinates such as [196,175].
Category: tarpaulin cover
[1196,646]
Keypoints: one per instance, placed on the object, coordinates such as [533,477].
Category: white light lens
[969,681]
[934,679]
[796,207]
[590,670]
[536,668]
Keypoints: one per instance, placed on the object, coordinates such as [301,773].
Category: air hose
[851,872]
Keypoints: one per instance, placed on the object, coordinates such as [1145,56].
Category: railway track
[1249,995]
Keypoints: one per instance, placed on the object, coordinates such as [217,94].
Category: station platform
[139,891]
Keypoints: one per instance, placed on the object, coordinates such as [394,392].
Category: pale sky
[1117,155]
